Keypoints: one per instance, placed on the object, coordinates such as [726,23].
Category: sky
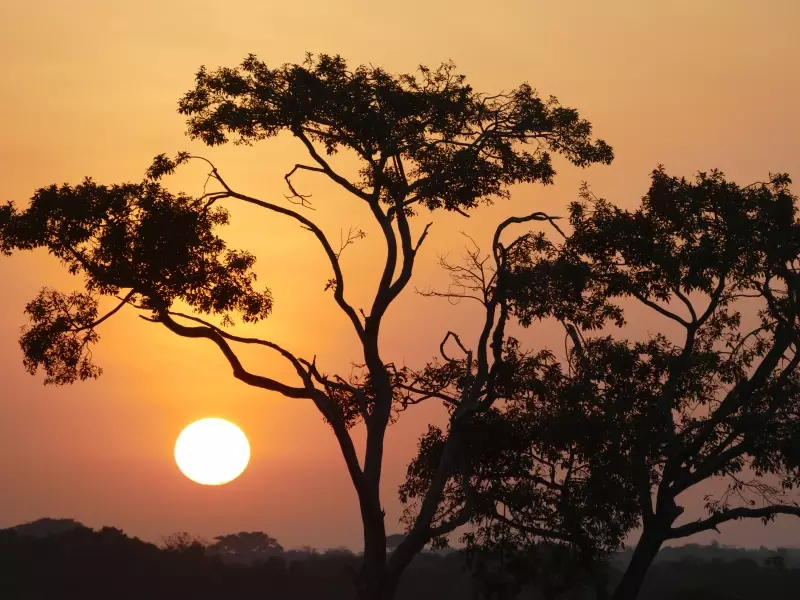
[90,88]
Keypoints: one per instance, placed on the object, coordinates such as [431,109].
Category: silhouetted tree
[246,546]
[425,142]
[777,562]
[620,428]
[185,543]
[48,526]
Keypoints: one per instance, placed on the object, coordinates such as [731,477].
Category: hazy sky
[90,88]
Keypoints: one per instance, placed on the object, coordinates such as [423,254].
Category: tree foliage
[425,138]
[425,141]
[245,546]
[620,427]
[138,243]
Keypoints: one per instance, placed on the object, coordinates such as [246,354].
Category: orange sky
[90,88]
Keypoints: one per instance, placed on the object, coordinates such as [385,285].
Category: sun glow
[212,451]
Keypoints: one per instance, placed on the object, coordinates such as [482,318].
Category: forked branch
[313,228]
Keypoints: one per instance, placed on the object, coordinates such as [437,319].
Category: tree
[246,547]
[185,544]
[538,501]
[425,142]
[623,427]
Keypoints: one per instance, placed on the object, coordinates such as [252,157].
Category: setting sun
[212,451]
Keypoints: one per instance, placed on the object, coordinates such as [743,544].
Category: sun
[212,451]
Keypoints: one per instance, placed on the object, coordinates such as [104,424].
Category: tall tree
[634,423]
[425,142]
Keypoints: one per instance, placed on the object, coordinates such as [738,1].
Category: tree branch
[730,515]
[296,362]
[326,168]
[449,335]
[295,194]
[111,313]
[537,216]
[308,224]
[323,403]
[660,309]
[239,372]
[537,531]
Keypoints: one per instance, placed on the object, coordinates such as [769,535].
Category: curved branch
[682,297]
[537,216]
[424,394]
[383,297]
[409,254]
[730,515]
[239,372]
[308,224]
[296,362]
[321,401]
[716,297]
[457,339]
[109,314]
[295,194]
[326,168]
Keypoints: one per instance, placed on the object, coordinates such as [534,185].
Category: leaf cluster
[424,138]
[159,247]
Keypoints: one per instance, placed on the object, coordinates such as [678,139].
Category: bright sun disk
[212,451]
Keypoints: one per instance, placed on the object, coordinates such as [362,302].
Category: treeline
[54,560]
[788,557]
[106,564]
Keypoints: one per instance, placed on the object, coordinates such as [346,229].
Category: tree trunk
[643,556]
[375,582]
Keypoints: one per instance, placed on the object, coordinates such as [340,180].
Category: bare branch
[297,197]
[537,216]
[449,335]
[112,312]
[353,234]
[424,394]
[296,362]
[451,296]
[422,237]
[730,515]
[239,372]
[326,168]
[308,224]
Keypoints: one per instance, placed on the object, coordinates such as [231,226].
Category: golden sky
[90,88]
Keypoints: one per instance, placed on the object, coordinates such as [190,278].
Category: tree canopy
[563,453]
[607,436]
[425,141]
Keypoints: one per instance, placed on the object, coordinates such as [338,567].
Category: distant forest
[61,558]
